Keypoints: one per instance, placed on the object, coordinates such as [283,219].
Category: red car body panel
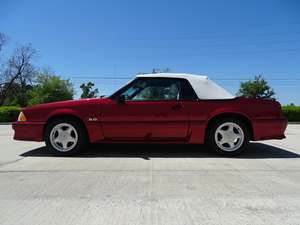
[171,121]
[29,131]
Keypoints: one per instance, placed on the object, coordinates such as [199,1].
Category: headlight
[22,117]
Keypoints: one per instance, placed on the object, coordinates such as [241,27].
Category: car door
[149,109]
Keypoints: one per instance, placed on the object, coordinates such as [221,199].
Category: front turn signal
[22,117]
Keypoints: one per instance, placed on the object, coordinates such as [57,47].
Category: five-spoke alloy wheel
[228,136]
[65,136]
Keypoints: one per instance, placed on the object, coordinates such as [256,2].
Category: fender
[234,110]
[200,128]
[93,127]
[64,111]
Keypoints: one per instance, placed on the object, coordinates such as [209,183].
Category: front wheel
[228,136]
[65,137]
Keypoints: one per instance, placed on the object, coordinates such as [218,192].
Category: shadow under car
[147,151]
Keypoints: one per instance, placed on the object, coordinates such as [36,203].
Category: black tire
[210,137]
[81,134]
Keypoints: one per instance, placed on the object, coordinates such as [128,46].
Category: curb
[298,122]
[6,123]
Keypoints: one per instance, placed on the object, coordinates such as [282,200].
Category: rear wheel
[65,137]
[228,136]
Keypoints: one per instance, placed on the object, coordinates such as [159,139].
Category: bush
[291,112]
[9,113]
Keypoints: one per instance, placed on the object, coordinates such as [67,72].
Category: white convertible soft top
[204,88]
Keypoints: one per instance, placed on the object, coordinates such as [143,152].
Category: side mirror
[121,99]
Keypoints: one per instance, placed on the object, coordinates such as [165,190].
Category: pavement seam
[10,162]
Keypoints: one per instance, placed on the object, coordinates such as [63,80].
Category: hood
[68,103]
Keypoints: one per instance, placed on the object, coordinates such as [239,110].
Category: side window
[134,89]
[153,89]
[159,89]
[187,91]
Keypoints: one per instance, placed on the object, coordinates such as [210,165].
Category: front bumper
[264,129]
[29,131]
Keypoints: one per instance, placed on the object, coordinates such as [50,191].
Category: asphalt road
[150,184]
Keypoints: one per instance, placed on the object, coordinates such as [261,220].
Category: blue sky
[231,39]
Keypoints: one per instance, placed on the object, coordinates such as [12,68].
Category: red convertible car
[155,108]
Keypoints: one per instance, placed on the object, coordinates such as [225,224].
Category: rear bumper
[265,129]
[28,131]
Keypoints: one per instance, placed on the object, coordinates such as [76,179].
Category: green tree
[87,91]
[18,95]
[257,88]
[50,88]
